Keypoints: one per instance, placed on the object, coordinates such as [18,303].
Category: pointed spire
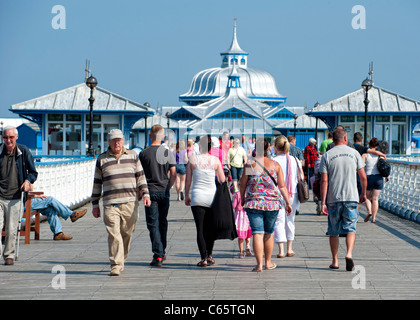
[234,46]
[234,49]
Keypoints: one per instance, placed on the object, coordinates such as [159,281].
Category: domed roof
[211,83]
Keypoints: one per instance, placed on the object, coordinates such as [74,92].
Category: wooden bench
[27,228]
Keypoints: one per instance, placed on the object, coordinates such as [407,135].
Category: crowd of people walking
[260,206]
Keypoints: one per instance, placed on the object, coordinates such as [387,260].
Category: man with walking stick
[17,173]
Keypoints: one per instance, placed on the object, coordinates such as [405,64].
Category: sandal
[241,255]
[210,260]
[248,252]
[202,263]
[256,269]
[367,217]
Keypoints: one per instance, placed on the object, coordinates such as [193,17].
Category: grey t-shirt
[341,164]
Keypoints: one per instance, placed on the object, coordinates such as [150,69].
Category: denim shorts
[181,169]
[236,173]
[262,221]
[342,217]
[375,181]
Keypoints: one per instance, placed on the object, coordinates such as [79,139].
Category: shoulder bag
[302,186]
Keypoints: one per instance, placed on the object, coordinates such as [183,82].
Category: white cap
[115,134]
[215,142]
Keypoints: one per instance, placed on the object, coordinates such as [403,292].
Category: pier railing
[401,194]
[68,179]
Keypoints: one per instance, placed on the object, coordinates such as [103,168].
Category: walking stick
[20,224]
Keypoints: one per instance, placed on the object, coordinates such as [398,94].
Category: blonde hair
[282,144]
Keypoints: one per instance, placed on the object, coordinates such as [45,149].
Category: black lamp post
[167,115]
[147,105]
[295,117]
[316,126]
[91,83]
[366,85]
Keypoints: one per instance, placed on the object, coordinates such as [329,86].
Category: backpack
[384,167]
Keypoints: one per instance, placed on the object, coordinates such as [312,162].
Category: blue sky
[150,50]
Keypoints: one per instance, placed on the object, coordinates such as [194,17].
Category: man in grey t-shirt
[339,196]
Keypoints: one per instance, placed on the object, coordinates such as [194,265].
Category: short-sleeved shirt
[341,164]
[296,152]
[324,145]
[236,157]
[157,161]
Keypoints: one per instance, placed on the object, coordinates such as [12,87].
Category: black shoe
[156,262]
[182,196]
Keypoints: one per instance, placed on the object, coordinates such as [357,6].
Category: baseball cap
[115,134]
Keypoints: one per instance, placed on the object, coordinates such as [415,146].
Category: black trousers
[205,240]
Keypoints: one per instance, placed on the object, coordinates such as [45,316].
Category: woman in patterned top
[262,194]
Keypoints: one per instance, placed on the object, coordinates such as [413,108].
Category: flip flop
[280,256]
[333,267]
[367,217]
[256,270]
[349,264]
[291,254]
[272,267]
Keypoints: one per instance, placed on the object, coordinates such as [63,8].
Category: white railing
[401,194]
[69,181]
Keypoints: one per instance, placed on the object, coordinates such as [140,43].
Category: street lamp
[91,83]
[167,115]
[366,85]
[316,126]
[147,105]
[295,117]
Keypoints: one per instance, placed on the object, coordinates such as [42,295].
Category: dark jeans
[157,223]
[204,240]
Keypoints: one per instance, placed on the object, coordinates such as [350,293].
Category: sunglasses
[8,137]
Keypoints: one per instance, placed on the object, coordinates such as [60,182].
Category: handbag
[221,223]
[302,187]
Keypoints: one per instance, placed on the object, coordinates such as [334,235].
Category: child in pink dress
[243,227]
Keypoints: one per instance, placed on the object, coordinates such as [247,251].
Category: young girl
[243,227]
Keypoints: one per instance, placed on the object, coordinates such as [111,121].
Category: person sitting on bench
[53,209]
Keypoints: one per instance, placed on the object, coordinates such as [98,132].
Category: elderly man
[119,174]
[17,173]
[311,155]
[339,196]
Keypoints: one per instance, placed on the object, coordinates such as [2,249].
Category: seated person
[52,209]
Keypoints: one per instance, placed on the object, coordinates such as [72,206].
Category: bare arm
[324,188]
[188,179]
[244,182]
[282,187]
[363,182]
[219,171]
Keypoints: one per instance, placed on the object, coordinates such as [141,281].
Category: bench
[27,228]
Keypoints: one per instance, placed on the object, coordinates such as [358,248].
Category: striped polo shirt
[117,179]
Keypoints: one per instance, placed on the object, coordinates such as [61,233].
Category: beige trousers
[120,222]
[9,218]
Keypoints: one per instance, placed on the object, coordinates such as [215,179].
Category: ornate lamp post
[168,116]
[147,105]
[91,82]
[295,117]
[366,85]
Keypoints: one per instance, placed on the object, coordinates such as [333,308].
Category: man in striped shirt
[120,179]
